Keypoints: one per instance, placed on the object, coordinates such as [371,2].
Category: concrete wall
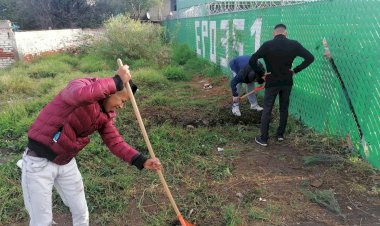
[31,44]
[7,44]
[26,45]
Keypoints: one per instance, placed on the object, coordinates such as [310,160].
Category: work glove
[236,99]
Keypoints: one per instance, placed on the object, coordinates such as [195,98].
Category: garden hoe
[253,91]
[148,144]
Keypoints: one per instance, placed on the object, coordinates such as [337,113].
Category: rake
[151,152]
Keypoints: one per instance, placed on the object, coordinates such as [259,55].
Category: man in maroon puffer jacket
[60,131]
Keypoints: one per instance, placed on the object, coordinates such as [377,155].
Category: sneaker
[236,110]
[256,107]
[19,163]
[260,141]
[280,138]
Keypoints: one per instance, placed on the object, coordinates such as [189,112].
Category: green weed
[151,78]
[231,216]
[93,63]
[201,67]
[325,198]
[257,213]
[182,53]
[175,73]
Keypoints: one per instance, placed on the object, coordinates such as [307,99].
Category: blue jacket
[244,72]
[239,63]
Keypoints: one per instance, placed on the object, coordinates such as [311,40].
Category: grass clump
[181,54]
[10,195]
[175,73]
[256,213]
[231,216]
[202,67]
[140,63]
[322,158]
[184,57]
[48,67]
[325,198]
[150,77]
[94,63]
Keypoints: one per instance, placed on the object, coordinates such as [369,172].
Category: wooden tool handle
[147,141]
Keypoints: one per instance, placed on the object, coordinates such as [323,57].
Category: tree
[58,14]
[69,13]
[8,10]
[137,8]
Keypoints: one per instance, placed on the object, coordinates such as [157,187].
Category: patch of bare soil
[5,155]
[198,117]
[280,172]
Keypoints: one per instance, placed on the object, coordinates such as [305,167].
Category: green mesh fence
[352,31]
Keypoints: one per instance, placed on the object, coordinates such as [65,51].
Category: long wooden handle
[147,141]
[253,91]
[247,94]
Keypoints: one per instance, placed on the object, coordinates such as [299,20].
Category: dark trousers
[269,99]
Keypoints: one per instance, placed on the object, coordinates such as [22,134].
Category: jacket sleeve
[233,66]
[89,90]
[260,53]
[234,82]
[119,147]
[306,55]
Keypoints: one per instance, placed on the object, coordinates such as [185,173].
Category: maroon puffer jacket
[76,112]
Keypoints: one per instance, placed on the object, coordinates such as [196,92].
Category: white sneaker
[256,107]
[236,110]
[19,163]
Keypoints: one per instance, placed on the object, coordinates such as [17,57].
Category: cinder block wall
[7,47]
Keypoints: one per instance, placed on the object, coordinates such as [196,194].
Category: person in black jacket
[278,55]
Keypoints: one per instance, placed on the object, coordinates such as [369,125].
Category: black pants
[269,99]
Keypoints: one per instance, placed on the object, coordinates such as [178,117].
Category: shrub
[126,38]
[201,66]
[149,77]
[175,73]
[181,53]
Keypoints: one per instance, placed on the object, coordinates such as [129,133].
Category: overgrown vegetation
[132,40]
[185,128]
[58,14]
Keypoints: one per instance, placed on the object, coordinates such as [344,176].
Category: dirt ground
[280,171]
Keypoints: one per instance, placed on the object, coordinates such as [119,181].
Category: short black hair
[280,25]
